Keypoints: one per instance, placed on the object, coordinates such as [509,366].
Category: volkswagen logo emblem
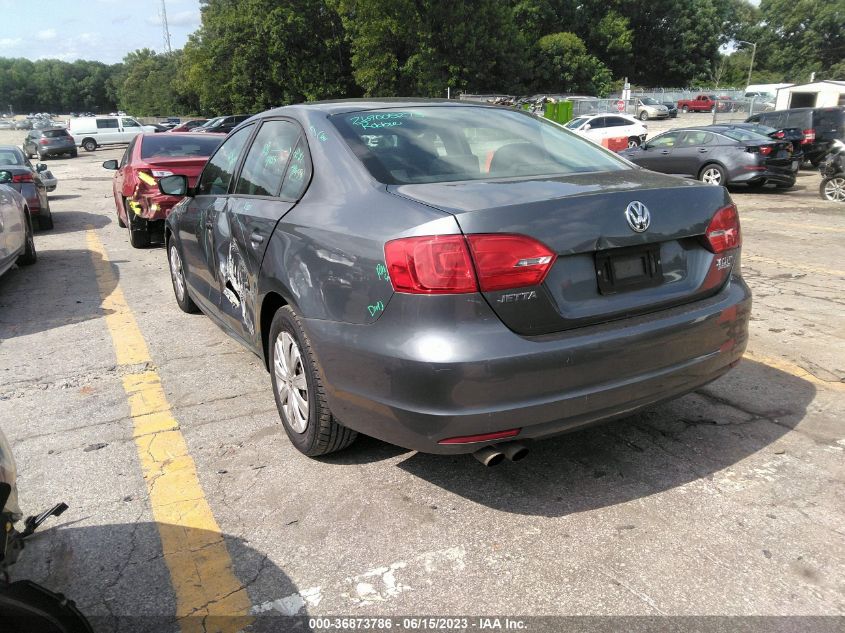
[638,216]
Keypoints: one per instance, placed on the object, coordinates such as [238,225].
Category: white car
[17,245]
[598,127]
[91,132]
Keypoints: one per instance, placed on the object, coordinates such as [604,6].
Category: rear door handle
[256,238]
[703,150]
[665,151]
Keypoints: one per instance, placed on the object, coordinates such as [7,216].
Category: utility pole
[164,28]
[753,52]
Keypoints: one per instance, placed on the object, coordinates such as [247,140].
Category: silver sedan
[17,245]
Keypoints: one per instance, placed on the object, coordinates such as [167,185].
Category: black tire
[815,162]
[174,262]
[29,256]
[709,170]
[139,232]
[45,222]
[685,109]
[833,189]
[74,154]
[322,433]
[41,157]
[643,116]
[633,141]
[89,144]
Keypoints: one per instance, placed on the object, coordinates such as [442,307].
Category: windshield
[745,135]
[576,123]
[10,156]
[176,146]
[447,144]
[650,101]
[212,122]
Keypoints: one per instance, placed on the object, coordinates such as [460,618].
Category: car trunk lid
[604,269]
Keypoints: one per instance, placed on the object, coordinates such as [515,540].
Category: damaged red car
[141,207]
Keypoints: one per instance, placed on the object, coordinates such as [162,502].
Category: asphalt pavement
[726,502]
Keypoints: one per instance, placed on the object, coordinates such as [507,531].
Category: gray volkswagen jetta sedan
[455,278]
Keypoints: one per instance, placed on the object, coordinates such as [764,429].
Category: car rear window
[174,146]
[10,157]
[451,143]
[745,135]
[54,133]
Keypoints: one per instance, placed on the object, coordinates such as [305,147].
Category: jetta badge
[638,216]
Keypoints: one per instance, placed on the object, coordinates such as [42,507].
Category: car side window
[130,123]
[298,173]
[218,172]
[615,121]
[107,124]
[692,139]
[127,153]
[264,166]
[664,140]
[596,123]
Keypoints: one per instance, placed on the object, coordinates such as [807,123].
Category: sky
[101,30]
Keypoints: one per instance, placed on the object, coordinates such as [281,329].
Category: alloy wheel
[291,384]
[177,273]
[834,189]
[711,176]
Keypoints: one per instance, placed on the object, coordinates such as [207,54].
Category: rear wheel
[120,221]
[712,175]
[177,276]
[139,230]
[29,256]
[299,392]
[633,141]
[89,144]
[45,222]
[833,189]
[74,154]
[685,109]
[644,116]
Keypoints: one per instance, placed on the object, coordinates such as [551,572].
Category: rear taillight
[43,141]
[451,264]
[434,264]
[765,150]
[809,137]
[505,261]
[161,173]
[723,233]
[778,135]
[22,178]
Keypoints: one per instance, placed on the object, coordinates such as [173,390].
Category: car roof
[342,106]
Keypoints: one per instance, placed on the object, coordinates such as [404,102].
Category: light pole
[753,52]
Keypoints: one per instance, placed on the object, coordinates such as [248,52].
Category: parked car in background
[140,205]
[222,124]
[17,243]
[701,103]
[471,276]
[601,126]
[792,134]
[23,124]
[718,155]
[26,179]
[820,126]
[7,124]
[187,126]
[49,142]
[672,108]
[648,108]
[832,169]
[93,132]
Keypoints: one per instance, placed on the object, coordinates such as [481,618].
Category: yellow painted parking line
[795,225]
[793,369]
[200,567]
[784,263]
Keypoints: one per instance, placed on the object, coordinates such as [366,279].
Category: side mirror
[110,164]
[5,176]
[40,167]
[173,185]
[587,127]
[644,146]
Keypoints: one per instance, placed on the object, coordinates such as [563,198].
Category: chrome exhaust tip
[514,451]
[489,456]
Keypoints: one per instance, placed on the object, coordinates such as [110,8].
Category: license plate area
[630,268]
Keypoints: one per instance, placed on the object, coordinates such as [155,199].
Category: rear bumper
[56,151]
[429,370]
[157,206]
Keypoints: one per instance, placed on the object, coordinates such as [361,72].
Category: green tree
[250,55]
[147,83]
[421,47]
[562,64]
